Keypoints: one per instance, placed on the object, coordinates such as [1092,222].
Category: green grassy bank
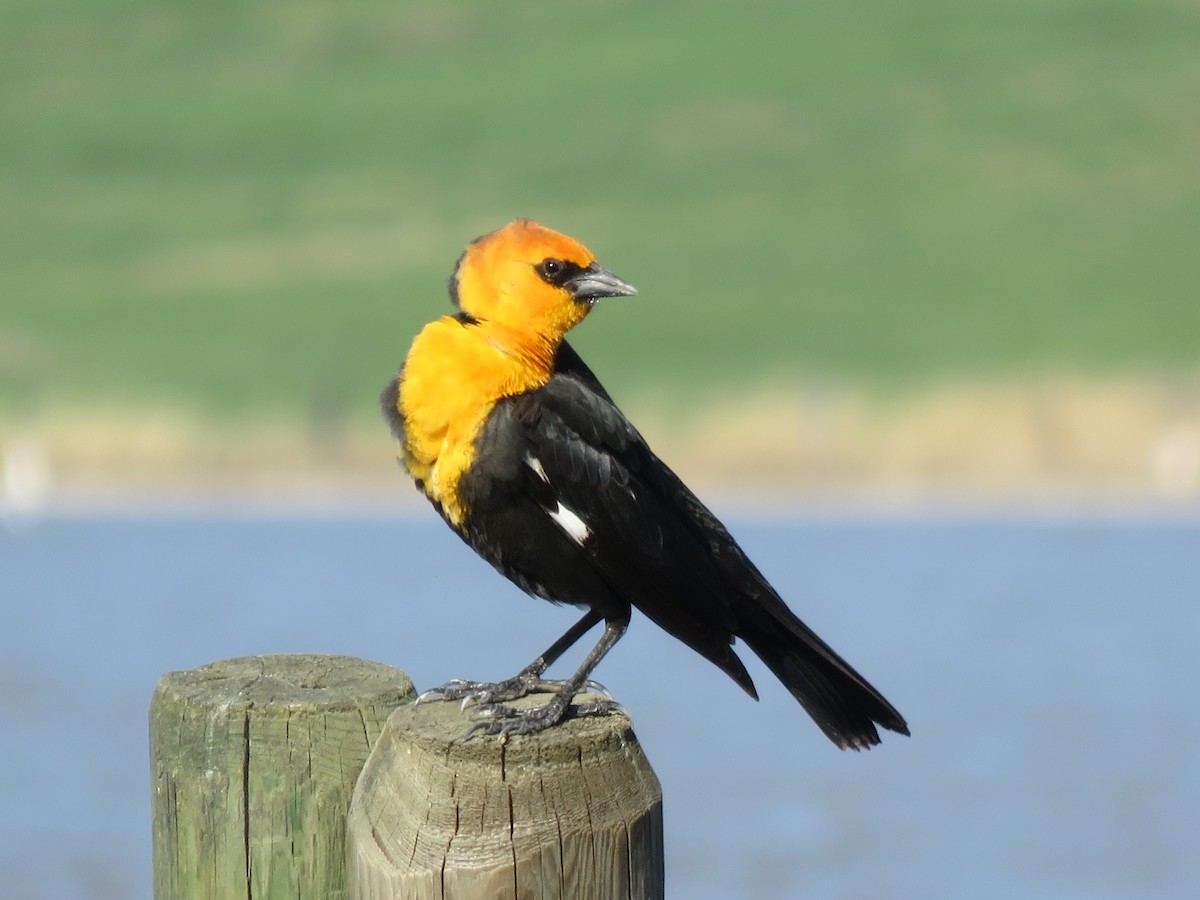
[243,211]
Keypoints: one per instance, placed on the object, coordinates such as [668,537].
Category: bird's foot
[504,721]
[489,694]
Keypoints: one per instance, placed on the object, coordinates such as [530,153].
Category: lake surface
[1048,667]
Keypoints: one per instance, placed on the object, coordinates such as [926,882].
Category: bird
[526,456]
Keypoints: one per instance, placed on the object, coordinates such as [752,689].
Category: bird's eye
[553,271]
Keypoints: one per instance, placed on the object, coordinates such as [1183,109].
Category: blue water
[1048,668]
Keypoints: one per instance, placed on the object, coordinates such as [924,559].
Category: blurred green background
[244,211]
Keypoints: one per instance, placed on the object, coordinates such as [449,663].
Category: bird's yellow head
[529,279]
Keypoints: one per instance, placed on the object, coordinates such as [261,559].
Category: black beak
[595,282]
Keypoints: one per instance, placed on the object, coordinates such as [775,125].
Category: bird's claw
[504,721]
[486,693]
[451,690]
[595,687]
[472,692]
[489,702]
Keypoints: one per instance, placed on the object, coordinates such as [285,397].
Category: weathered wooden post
[573,812]
[253,762]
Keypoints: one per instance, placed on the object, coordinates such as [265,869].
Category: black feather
[651,543]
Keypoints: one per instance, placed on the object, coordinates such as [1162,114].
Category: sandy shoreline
[357,498]
[1056,446]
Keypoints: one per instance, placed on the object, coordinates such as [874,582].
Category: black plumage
[650,544]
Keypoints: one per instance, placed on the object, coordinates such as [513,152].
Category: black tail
[840,701]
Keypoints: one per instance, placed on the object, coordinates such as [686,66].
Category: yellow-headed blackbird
[525,455]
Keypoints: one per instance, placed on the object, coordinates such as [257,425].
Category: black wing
[568,501]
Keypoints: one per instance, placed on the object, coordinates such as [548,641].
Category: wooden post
[253,764]
[573,812]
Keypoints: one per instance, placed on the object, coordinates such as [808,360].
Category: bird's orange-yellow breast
[458,368]
[453,377]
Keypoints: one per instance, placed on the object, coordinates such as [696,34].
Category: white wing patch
[573,526]
[570,523]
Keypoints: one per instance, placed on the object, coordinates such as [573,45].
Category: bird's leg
[525,682]
[507,720]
